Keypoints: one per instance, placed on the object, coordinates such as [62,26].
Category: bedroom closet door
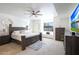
[35,25]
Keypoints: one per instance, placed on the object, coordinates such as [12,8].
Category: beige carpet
[10,49]
[45,47]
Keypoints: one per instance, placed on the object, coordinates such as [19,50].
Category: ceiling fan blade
[38,11]
[39,14]
[31,15]
[35,15]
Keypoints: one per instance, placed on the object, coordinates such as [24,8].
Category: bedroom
[38,21]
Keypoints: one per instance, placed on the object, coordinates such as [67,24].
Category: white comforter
[17,35]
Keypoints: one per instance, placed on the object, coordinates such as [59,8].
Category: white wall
[17,22]
[42,25]
[48,16]
[63,18]
[62,21]
[16,13]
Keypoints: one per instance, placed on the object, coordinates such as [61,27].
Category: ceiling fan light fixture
[33,12]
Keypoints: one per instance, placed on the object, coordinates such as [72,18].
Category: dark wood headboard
[11,29]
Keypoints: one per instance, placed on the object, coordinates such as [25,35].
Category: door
[35,25]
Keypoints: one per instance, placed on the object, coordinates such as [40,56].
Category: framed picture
[48,26]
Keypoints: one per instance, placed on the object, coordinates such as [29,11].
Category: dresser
[59,34]
[71,45]
[4,39]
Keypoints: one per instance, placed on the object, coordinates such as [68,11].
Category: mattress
[18,35]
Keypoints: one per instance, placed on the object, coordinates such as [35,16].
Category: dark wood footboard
[30,40]
[40,36]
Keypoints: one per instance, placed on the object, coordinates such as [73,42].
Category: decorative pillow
[16,32]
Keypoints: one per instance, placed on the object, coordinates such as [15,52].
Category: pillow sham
[15,32]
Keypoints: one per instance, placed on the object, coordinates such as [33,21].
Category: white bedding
[17,35]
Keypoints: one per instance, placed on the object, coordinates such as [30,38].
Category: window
[48,26]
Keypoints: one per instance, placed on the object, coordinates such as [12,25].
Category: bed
[24,39]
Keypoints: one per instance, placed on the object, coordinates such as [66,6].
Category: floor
[47,36]
[45,47]
[10,49]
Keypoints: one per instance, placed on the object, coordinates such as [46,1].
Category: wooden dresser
[71,44]
[59,34]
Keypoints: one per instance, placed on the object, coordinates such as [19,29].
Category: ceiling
[65,8]
[18,9]
[48,9]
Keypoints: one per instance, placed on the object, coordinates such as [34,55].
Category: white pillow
[16,32]
[23,31]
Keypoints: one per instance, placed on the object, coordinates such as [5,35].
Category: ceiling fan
[33,12]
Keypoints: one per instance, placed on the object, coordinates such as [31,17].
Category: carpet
[38,45]
[45,47]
